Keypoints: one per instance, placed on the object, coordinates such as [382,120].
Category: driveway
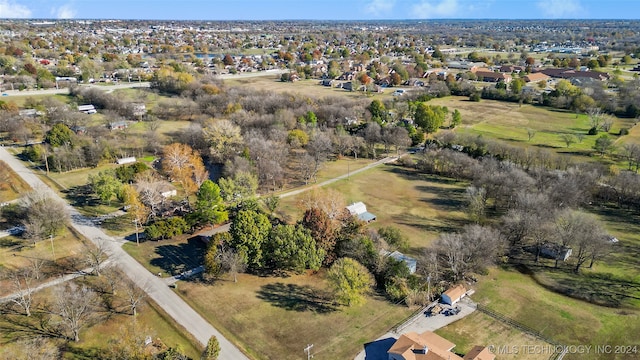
[155,287]
[377,349]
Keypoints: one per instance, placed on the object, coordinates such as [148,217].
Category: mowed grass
[17,253]
[510,122]
[168,257]
[11,185]
[277,317]
[420,205]
[94,340]
[559,317]
[481,329]
[308,87]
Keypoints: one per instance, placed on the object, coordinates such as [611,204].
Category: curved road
[155,287]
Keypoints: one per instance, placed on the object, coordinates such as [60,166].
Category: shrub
[475,97]
[593,131]
[624,131]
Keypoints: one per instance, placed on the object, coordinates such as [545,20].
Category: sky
[320,9]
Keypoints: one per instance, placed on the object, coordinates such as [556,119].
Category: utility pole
[137,239]
[307,351]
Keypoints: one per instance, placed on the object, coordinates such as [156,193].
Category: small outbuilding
[126,160]
[397,255]
[359,209]
[453,294]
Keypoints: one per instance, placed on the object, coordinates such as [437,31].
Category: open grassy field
[510,122]
[310,87]
[94,340]
[168,257]
[420,205]
[277,317]
[559,317]
[11,185]
[480,329]
[18,253]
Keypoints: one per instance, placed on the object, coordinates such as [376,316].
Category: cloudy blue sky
[320,9]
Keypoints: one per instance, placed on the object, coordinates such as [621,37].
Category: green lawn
[566,320]
[480,329]
[420,205]
[277,317]
[510,122]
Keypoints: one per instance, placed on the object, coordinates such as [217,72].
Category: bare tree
[75,305]
[477,203]
[134,295]
[46,215]
[595,117]
[96,256]
[531,133]
[33,349]
[232,262]
[21,281]
[568,139]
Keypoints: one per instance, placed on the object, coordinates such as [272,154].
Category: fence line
[524,328]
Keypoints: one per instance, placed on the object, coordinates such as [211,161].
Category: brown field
[11,185]
[276,317]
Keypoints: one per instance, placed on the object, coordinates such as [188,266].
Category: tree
[271,202]
[59,135]
[106,185]
[75,306]
[394,238]
[603,144]
[378,111]
[477,203]
[96,256]
[568,139]
[184,165]
[21,285]
[45,215]
[581,231]
[456,118]
[212,351]
[242,186]
[429,118]
[209,207]
[323,231]
[249,230]
[134,295]
[372,134]
[291,247]
[224,139]
[131,199]
[349,280]
[530,133]
[232,262]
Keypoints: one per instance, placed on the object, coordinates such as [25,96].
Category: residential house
[87,109]
[568,73]
[118,125]
[536,77]
[430,346]
[139,109]
[126,160]
[359,209]
[453,294]
[493,76]
[397,255]
[511,69]
[556,251]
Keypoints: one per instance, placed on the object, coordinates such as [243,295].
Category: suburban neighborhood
[285,189]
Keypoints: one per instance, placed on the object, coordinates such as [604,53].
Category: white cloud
[561,8]
[64,12]
[380,7]
[428,9]
[12,10]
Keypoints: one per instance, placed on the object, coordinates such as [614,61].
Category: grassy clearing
[275,318]
[480,329]
[510,122]
[169,257]
[310,87]
[559,317]
[11,185]
[94,340]
[420,205]
[17,253]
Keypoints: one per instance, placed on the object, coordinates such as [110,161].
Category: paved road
[155,287]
